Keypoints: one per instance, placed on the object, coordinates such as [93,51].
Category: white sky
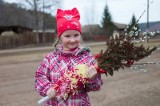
[121,10]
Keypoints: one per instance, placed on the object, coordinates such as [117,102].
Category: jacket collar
[74,52]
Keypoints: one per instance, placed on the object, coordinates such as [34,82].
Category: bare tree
[90,17]
[37,6]
[45,6]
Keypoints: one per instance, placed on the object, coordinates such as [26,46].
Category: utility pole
[43,26]
[148,21]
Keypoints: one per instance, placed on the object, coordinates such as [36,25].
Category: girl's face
[70,39]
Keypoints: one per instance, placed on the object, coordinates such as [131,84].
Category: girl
[64,58]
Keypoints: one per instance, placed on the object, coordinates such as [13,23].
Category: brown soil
[127,87]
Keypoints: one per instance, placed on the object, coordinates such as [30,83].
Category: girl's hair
[56,42]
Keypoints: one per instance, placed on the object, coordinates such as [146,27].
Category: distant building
[16,29]
[46,35]
[119,28]
[95,28]
[46,31]
[92,28]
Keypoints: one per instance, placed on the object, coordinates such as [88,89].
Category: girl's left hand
[91,72]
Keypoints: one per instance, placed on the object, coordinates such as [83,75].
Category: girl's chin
[71,48]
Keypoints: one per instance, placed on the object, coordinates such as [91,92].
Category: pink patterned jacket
[55,64]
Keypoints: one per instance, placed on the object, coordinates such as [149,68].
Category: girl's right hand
[51,93]
[91,72]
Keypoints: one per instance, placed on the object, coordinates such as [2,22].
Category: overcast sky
[121,10]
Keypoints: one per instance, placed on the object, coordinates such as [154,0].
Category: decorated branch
[120,53]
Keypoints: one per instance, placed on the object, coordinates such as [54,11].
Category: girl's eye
[67,36]
[76,35]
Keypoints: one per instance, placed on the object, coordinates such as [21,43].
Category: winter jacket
[55,64]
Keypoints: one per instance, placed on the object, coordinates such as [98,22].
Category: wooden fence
[28,38]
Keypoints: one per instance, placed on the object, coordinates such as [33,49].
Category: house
[91,29]
[47,35]
[45,31]
[15,29]
[96,29]
[119,28]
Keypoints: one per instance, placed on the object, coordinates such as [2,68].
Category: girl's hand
[51,93]
[91,72]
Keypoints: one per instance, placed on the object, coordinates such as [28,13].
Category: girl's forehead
[70,32]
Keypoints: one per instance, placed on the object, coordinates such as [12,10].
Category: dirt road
[126,88]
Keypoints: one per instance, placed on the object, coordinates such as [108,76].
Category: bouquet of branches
[68,83]
[120,53]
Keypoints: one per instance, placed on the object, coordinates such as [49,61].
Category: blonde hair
[56,42]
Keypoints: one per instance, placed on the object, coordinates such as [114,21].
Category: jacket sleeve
[42,83]
[96,83]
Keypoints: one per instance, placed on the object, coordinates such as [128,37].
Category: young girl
[64,58]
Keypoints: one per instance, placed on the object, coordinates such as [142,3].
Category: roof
[46,31]
[120,25]
[14,28]
[92,27]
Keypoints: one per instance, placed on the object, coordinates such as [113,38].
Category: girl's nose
[72,39]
